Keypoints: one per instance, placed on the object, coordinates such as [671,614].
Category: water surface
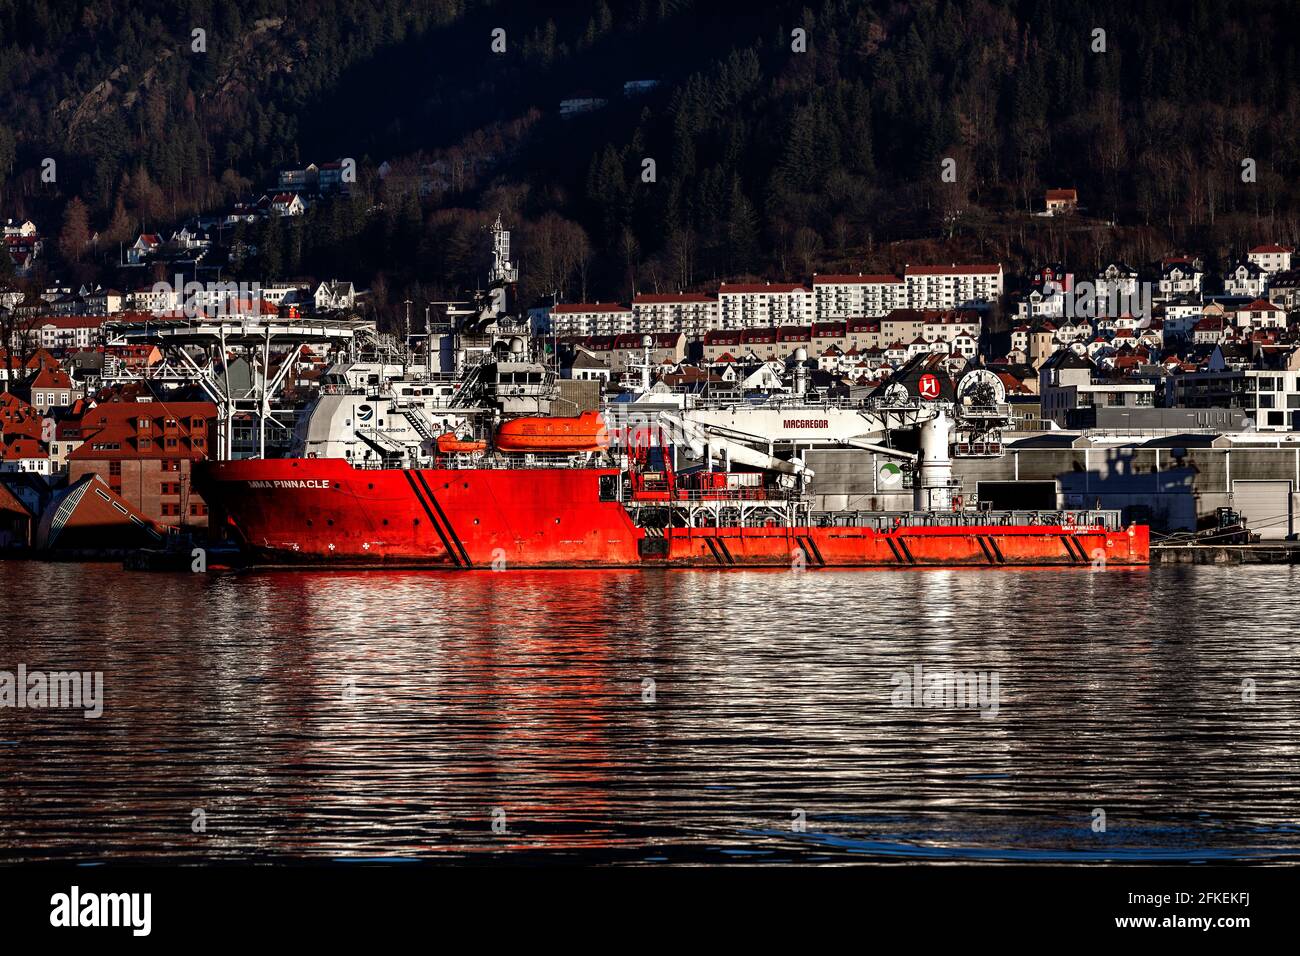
[627,716]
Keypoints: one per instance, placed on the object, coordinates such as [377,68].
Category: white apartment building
[105,302]
[1271,258]
[68,333]
[276,292]
[948,287]
[850,296]
[764,305]
[592,318]
[151,299]
[692,313]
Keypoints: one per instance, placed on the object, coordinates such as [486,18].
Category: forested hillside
[768,160]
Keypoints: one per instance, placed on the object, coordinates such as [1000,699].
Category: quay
[1259,552]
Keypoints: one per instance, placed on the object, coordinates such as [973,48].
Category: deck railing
[887,520]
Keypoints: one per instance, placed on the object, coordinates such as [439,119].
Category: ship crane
[715,442]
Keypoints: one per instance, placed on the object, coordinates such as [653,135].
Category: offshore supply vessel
[465,465]
[567,502]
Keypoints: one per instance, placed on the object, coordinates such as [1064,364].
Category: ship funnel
[932,486]
[800,371]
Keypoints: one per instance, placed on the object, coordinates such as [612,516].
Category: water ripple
[622,716]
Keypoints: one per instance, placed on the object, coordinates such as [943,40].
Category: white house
[24,455]
[1070,380]
[144,246]
[187,238]
[1179,277]
[1246,279]
[1260,314]
[105,301]
[587,366]
[25,228]
[1210,330]
[964,345]
[1271,258]
[1115,282]
[1039,304]
[287,204]
[334,295]
[919,346]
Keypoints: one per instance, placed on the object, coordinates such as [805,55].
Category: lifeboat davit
[450,444]
[586,432]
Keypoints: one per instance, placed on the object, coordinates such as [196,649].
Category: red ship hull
[323,511]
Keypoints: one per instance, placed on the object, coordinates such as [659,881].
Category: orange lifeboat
[586,432]
[449,444]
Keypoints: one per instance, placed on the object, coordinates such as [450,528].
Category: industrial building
[1174,483]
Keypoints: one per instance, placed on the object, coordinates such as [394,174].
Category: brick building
[145,451]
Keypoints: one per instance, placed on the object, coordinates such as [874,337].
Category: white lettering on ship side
[291,483]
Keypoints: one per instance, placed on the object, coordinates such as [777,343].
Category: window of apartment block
[115,469]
